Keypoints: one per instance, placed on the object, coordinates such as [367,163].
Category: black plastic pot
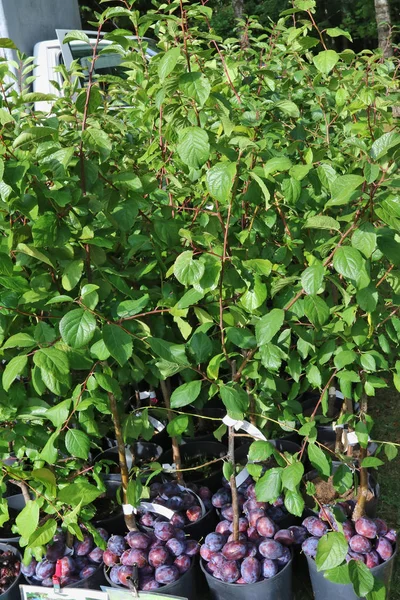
[276,588]
[371,505]
[115,523]
[17,503]
[185,587]
[145,452]
[93,582]
[327,590]
[206,450]
[217,413]
[282,445]
[198,530]
[12,593]
[327,435]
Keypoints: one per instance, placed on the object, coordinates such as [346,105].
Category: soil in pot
[10,567]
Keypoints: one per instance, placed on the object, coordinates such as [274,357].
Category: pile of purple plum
[262,549]
[370,540]
[160,558]
[181,500]
[9,569]
[74,564]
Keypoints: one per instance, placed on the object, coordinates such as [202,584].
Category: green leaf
[168,62]
[277,164]
[220,180]
[269,486]
[361,578]
[391,451]
[368,362]
[118,343]
[33,134]
[259,451]
[7,43]
[178,425]
[319,460]
[128,308]
[312,278]
[291,475]
[336,32]
[59,414]
[314,376]
[193,147]
[19,340]
[364,239]
[187,270]
[271,356]
[255,297]
[294,502]
[316,310]
[77,327]
[76,35]
[49,453]
[34,253]
[342,479]
[189,298]
[97,139]
[196,86]
[378,592]
[200,346]
[185,394]
[77,443]
[325,61]
[291,190]
[14,368]
[321,222]
[382,145]
[236,401]
[331,551]
[339,575]
[28,519]
[288,107]
[227,470]
[372,462]
[72,275]
[344,358]
[269,325]
[263,188]
[80,492]
[342,189]
[348,262]
[43,534]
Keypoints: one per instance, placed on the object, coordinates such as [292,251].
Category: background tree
[384,25]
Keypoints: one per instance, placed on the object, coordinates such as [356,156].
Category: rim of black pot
[98,568]
[235,585]
[374,569]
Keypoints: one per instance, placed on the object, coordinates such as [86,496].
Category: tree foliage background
[356,16]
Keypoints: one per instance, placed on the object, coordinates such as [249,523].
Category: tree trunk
[237,6]
[383,22]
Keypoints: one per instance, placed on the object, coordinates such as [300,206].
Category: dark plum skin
[103,533]
[114,574]
[285,537]
[183,563]
[360,544]
[29,570]
[96,555]
[192,548]
[242,537]
[269,568]
[270,549]
[66,565]
[391,535]
[55,551]
[278,502]
[147,520]
[204,493]
[205,553]
[134,556]
[355,556]
[234,550]
[243,525]
[179,534]
[250,570]
[254,516]
[216,561]
[285,558]
[87,571]
[175,503]
[372,559]
[149,584]
[229,571]
[214,541]
[178,520]
[366,527]
[381,527]
[315,527]
[45,569]
[176,547]
[166,574]
[348,530]
[266,527]
[299,533]
[251,550]
[109,558]
[194,514]
[124,574]
[227,512]
[164,531]
[138,540]
[384,548]
[220,498]
[223,527]
[158,556]
[253,534]
[116,544]
[309,546]
[85,547]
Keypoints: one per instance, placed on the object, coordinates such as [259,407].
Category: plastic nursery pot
[371,504]
[15,505]
[327,436]
[115,523]
[185,587]
[12,593]
[278,587]
[204,451]
[327,590]
[208,435]
[144,452]
[93,582]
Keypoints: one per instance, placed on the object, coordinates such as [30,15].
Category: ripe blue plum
[348,530]
[372,559]
[175,503]
[266,527]
[299,533]
[55,551]
[166,574]
[116,544]
[155,489]
[124,574]
[114,574]
[103,533]
[234,550]
[278,502]
[158,556]
[194,514]
[381,527]
[214,541]
[29,570]
[109,558]
[391,535]
[176,547]
[315,526]
[96,555]
[147,519]
[366,527]
[250,570]
[45,569]
[192,548]
[285,558]
[254,516]
[182,563]
[229,571]
[138,540]
[178,520]
[169,489]
[221,497]
[270,549]
[87,571]
[216,561]
[227,512]
[252,550]
[251,491]
[134,556]
[309,546]
[243,525]
[84,547]
[384,548]
[360,544]
[275,513]
[242,537]
[149,584]
[252,534]
[269,568]
[205,553]
[223,527]
[163,530]
[204,493]
[285,537]
[66,566]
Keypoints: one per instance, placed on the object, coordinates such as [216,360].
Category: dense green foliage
[226,218]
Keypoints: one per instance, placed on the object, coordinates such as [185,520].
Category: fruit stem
[176,453]
[130,520]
